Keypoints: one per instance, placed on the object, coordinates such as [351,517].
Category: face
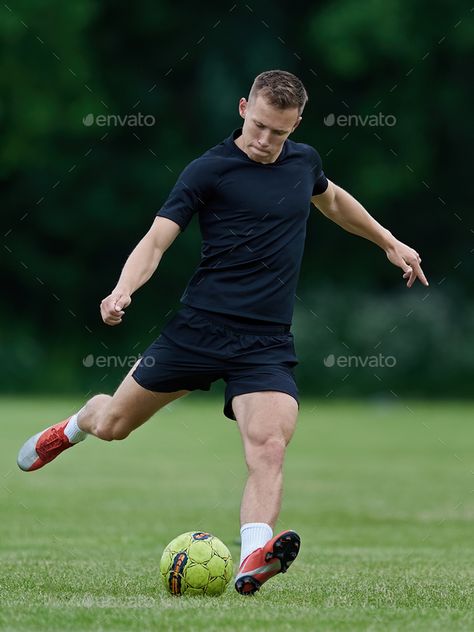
[265,128]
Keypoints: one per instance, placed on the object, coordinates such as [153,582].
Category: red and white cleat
[273,558]
[43,447]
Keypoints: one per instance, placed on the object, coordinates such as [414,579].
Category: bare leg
[107,417]
[114,417]
[266,422]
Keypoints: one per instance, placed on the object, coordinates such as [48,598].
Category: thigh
[265,415]
[259,379]
[133,405]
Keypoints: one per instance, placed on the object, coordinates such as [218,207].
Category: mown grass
[383,497]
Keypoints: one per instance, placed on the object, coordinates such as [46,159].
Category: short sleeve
[188,195]
[320,181]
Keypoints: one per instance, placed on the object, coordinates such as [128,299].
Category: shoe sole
[27,455]
[285,549]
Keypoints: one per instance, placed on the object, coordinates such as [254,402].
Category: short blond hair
[281,89]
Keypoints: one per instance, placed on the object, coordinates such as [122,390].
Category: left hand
[408,260]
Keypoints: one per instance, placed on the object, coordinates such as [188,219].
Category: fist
[111,308]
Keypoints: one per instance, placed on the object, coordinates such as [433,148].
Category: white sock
[253,535]
[73,432]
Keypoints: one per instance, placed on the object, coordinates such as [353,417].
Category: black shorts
[197,348]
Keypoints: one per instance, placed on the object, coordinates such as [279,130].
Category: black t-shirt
[253,224]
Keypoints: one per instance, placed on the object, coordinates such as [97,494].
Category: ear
[243,107]
[296,124]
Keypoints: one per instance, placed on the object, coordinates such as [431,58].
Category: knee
[111,428]
[267,454]
[111,425]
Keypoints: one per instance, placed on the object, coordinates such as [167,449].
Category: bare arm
[138,268]
[340,207]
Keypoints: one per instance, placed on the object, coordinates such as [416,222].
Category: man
[252,195]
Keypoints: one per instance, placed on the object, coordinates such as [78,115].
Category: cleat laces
[49,444]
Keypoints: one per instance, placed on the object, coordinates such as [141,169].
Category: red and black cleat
[273,558]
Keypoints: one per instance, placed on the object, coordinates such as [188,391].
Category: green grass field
[382,496]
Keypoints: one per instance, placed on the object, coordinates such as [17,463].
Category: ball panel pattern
[196,563]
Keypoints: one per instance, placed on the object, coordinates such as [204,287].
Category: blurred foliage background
[77,195]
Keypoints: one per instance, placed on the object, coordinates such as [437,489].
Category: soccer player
[252,194]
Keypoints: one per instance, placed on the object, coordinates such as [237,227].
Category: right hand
[111,308]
